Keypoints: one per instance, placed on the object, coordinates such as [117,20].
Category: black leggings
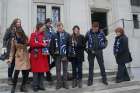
[25,74]
[11,69]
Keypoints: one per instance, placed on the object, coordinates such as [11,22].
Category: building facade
[110,14]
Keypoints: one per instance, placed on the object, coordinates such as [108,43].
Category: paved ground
[125,87]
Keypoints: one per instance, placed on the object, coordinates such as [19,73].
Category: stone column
[76,13]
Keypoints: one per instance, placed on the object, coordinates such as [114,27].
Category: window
[41,13]
[55,15]
[135,2]
[136,21]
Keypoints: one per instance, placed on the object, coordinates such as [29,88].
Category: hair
[39,25]
[120,29]
[74,36]
[48,20]
[76,26]
[13,24]
[95,24]
[60,24]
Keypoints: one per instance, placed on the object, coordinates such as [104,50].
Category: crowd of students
[47,48]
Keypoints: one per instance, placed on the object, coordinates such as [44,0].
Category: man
[59,49]
[96,42]
[49,35]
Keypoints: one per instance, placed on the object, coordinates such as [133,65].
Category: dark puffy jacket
[78,48]
[7,39]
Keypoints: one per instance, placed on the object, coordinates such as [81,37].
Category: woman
[122,55]
[77,47]
[38,56]
[9,34]
[19,52]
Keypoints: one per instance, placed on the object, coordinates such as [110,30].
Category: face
[95,29]
[76,31]
[118,33]
[18,23]
[49,24]
[42,28]
[60,28]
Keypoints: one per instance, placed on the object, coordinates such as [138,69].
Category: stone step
[97,86]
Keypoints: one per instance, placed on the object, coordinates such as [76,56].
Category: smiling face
[60,27]
[18,23]
[49,24]
[95,26]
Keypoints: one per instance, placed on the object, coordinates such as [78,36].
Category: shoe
[80,83]
[41,88]
[13,89]
[10,81]
[65,85]
[90,82]
[23,89]
[105,82]
[58,85]
[119,81]
[126,79]
[49,77]
[35,89]
[74,83]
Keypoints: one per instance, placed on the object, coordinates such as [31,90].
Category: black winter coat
[79,48]
[121,50]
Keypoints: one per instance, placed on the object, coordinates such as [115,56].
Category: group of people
[47,48]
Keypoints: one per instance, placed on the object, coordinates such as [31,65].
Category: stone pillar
[19,9]
[77,13]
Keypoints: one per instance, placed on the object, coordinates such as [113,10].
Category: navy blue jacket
[101,39]
[55,45]
[121,50]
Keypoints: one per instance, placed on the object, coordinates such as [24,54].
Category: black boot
[23,88]
[49,76]
[105,81]
[65,85]
[10,81]
[90,82]
[80,83]
[35,89]
[58,85]
[74,83]
[13,89]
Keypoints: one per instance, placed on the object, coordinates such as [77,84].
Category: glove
[4,50]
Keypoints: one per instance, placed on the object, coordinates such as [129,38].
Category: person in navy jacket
[49,34]
[122,55]
[96,42]
[59,49]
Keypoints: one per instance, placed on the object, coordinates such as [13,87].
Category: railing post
[123,23]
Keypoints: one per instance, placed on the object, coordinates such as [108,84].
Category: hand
[8,61]
[4,50]
[44,44]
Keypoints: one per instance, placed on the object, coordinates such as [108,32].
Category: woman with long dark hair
[122,55]
[9,34]
[77,46]
[19,52]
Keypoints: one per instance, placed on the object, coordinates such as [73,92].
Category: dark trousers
[77,69]
[11,69]
[100,60]
[122,73]
[61,62]
[25,74]
[51,65]
[38,79]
